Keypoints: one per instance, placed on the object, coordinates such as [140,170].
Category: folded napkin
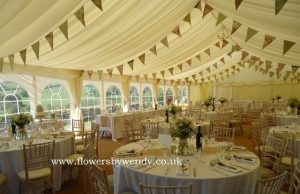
[236,148]
[244,159]
[129,152]
[227,167]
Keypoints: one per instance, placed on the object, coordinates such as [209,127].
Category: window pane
[90,101]
[113,99]
[147,98]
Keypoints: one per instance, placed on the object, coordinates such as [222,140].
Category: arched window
[169,95]
[113,99]
[134,98]
[14,99]
[90,102]
[182,94]
[147,98]
[160,98]
[55,99]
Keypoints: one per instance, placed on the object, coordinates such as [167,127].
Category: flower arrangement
[278,97]
[182,129]
[174,109]
[207,103]
[293,102]
[222,100]
[21,119]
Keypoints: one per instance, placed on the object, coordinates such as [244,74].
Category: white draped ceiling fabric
[189,46]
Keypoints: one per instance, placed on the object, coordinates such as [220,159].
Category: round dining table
[203,171]
[12,157]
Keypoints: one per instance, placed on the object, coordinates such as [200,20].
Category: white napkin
[128,152]
[227,167]
[244,159]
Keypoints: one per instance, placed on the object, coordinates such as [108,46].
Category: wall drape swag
[125,85]
[76,88]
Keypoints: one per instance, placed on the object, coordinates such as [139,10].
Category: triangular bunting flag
[98,3]
[207,9]
[215,65]
[187,18]
[198,57]
[81,72]
[279,5]
[179,67]
[36,49]
[268,65]
[186,79]
[177,31]
[90,73]
[120,69]
[222,60]
[207,51]
[220,18]
[130,63]
[189,62]
[157,80]
[153,50]
[235,25]
[254,59]
[49,38]
[80,15]
[287,45]
[225,42]
[1,65]
[233,67]
[171,70]
[11,61]
[278,75]
[142,58]
[154,75]
[146,76]
[172,81]
[294,69]
[227,70]
[162,73]
[268,40]
[64,29]
[194,77]
[23,55]
[201,73]
[235,48]
[100,72]
[271,74]
[109,71]
[250,33]
[280,66]
[208,69]
[237,3]
[218,44]
[165,42]
[198,5]
[244,55]
[137,78]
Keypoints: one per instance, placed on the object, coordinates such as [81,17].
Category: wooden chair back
[165,189]
[99,181]
[270,185]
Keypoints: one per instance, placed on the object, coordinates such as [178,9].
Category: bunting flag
[207,9]
[172,81]
[11,61]
[154,75]
[233,67]
[100,72]
[186,79]
[227,70]
[271,74]
[137,78]
[142,58]
[187,18]
[81,73]
[98,3]
[130,63]
[207,51]
[280,66]
[36,49]
[80,15]
[260,63]
[165,42]
[268,40]
[215,65]
[218,44]
[278,75]
[250,33]
[64,29]
[49,38]
[268,65]
[157,80]
[90,73]
[279,5]
[294,68]
[198,5]
[201,73]
[222,60]
[120,69]
[179,67]
[189,62]
[176,31]
[225,42]
[287,45]
[109,71]
[253,60]
[153,50]
[235,48]
[235,26]
[221,18]
[237,3]
[171,70]
[244,55]
[198,57]
[1,65]
[208,69]
[23,55]
[146,77]
[162,73]
[194,77]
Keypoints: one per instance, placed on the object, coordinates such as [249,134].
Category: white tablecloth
[207,181]
[12,161]
[217,115]
[283,120]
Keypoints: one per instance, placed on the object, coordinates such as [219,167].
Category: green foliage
[182,129]
[293,102]
[222,100]
[21,119]
[207,103]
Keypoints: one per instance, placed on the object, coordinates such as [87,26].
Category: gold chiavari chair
[78,130]
[224,133]
[150,129]
[295,182]
[271,185]
[165,189]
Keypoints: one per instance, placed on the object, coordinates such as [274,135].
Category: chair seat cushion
[35,174]
[79,148]
[266,173]
[288,160]
[2,179]
[74,157]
